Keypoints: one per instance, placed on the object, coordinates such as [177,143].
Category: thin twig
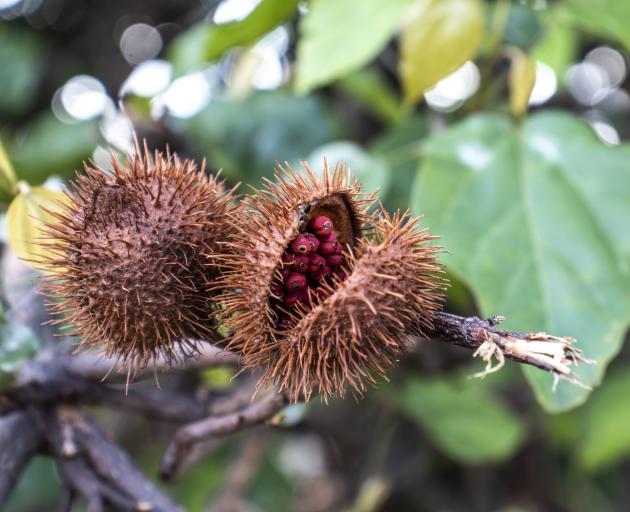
[217,426]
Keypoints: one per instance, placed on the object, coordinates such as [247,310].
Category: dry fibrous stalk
[133,257]
[319,293]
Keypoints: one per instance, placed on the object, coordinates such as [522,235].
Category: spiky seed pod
[359,313]
[391,293]
[134,256]
[274,219]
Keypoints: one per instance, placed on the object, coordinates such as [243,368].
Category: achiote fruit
[372,282]
[135,256]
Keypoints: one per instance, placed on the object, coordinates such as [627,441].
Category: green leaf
[339,37]
[535,220]
[607,19]
[606,436]
[438,37]
[462,416]
[20,68]
[26,216]
[370,170]
[206,42]
[48,146]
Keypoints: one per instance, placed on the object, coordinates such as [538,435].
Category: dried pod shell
[273,219]
[392,291]
[135,256]
[355,323]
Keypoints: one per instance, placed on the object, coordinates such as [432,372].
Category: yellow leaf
[25,221]
[522,78]
[7,173]
[438,36]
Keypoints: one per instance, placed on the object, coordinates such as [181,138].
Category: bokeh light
[81,98]
[599,74]
[545,86]
[187,95]
[233,10]
[148,79]
[140,42]
[451,92]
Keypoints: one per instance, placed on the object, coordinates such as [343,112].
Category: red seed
[321,224]
[330,237]
[288,259]
[301,245]
[329,248]
[295,281]
[316,263]
[291,299]
[277,290]
[334,260]
[301,263]
[313,241]
[318,275]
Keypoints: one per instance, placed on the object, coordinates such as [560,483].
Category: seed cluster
[313,259]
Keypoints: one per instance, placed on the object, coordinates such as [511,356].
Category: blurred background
[502,121]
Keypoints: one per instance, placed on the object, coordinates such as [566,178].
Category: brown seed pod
[134,250]
[351,319]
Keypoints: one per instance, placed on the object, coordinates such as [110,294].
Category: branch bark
[217,426]
[98,470]
[550,353]
[20,438]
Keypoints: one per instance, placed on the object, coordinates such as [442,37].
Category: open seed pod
[319,294]
[133,257]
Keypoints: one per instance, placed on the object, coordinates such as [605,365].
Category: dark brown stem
[544,351]
[96,469]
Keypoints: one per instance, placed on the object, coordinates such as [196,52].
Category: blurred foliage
[38,487]
[48,147]
[20,68]
[247,147]
[531,207]
[329,47]
[18,343]
[608,19]
[461,416]
[205,42]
